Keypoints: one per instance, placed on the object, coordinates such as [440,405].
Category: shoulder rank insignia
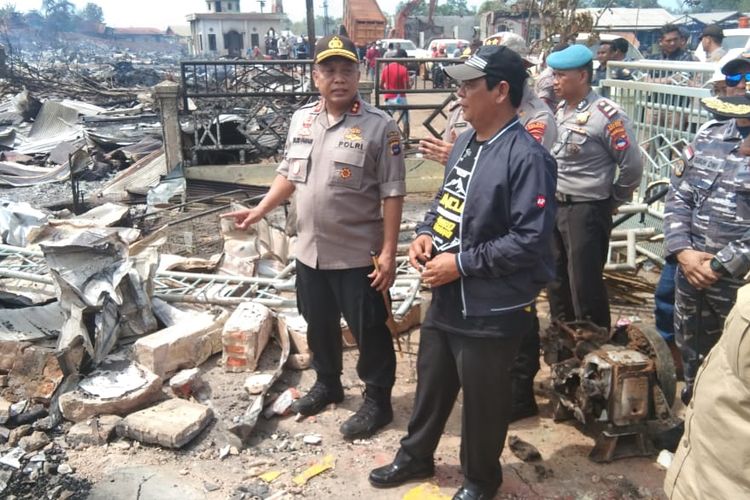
[607,108]
[355,107]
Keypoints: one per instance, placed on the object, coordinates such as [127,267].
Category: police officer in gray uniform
[594,140]
[707,222]
[344,166]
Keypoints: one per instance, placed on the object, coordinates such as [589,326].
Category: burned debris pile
[108,334]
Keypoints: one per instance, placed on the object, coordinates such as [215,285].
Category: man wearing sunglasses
[707,221]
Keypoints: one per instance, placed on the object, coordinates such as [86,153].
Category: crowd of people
[530,187]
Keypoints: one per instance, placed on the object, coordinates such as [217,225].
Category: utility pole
[310,28]
[325,17]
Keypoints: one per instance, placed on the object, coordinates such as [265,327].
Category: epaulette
[607,108]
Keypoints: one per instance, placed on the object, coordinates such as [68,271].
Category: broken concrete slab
[118,387]
[35,374]
[245,335]
[146,482]
[184,345]
[172,423]
[94,431]
[35,441]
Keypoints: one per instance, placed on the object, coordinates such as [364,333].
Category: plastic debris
[270,476]
[327,463]
[425,491]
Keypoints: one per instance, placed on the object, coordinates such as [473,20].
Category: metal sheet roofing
[622,18]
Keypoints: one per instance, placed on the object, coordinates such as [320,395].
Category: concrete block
[185,345]
[4,410]
[95,431]
[118,387]
[172,423]
[245,335]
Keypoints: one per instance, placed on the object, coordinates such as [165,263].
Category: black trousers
[446,363]
[581,244]
[322,297]
[526,366]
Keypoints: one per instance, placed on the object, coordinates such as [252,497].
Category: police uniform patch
[353,134]
[536,129]
[621,143]
[618,135]
[582,118]
[394,143]
[345,173]
[541,201]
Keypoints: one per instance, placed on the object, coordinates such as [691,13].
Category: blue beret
[573,57]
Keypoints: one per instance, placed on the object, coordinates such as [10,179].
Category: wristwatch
[717,266]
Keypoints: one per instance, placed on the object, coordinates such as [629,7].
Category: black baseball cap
[713,30]
[490,60]
[737,65]
[335,45]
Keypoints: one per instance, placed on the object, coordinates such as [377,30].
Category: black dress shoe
[473,493]
[400,471]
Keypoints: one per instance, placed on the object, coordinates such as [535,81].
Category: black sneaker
[317,398]
[375,413]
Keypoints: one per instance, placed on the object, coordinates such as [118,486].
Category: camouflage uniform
[708,209]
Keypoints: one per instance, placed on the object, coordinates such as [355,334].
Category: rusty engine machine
[619,384]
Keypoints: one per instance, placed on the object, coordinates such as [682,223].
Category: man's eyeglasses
[734,80]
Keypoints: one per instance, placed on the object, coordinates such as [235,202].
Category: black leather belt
[570,198]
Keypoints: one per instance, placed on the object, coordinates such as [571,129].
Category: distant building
[442,27]
[225,31]
[137,34]
[695,22]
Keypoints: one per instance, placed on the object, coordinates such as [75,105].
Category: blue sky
[162,13]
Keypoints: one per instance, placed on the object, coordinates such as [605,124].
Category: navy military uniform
[594,140]
[708,209]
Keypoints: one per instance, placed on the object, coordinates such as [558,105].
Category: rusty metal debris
[619,384]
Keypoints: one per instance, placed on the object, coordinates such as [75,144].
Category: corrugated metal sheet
[622,18]
[713,17]
[142,174]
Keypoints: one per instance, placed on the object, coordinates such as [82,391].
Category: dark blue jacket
[505,256]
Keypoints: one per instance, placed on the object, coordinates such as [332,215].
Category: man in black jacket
[485,248]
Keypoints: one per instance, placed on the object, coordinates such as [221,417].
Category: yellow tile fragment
[271,475]
[327,463]
[425,491]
